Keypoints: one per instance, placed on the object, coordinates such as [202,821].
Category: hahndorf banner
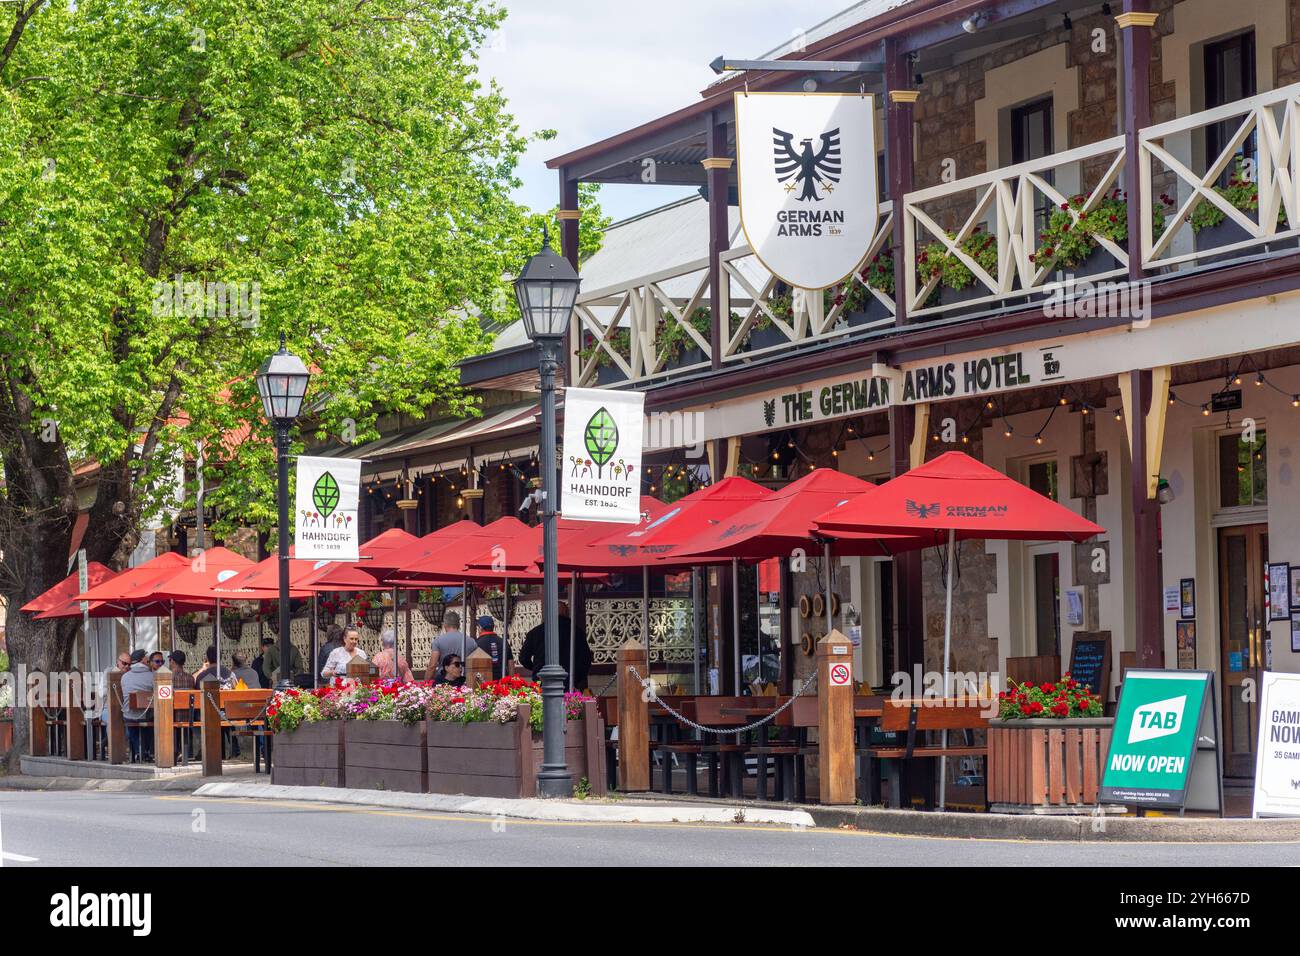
[600,474]
[325,512]
[807,175]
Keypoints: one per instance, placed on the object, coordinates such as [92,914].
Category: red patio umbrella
[131,593]
[448,564]
[64,594]
[956,497]
[197,579]
[356,575]
[382,565]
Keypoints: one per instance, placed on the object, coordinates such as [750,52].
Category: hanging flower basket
[187,630]
[232,627]
[433,606]
[325,611]
[374,618]
[273,623]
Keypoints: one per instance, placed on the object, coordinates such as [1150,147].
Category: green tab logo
[601,439]
[325,494]
[1161,718]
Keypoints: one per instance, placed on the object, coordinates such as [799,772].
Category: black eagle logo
[922,511]
[769,411]
[795,166]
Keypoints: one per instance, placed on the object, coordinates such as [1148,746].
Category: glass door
[1243,590]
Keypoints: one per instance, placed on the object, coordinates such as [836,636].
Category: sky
[589,69]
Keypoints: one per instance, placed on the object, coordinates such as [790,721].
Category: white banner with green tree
[326,525]
[601,466]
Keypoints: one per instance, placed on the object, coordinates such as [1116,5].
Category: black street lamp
[282,383]
[547,289]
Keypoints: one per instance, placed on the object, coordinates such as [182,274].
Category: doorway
[1243,608]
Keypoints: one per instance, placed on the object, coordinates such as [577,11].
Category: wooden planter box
[311,756]
[501,760]
[6,736]
[384,755]
[1044,766]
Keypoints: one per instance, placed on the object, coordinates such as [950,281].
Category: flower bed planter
[874,312]
[691,356]
[1224,234]
[310,756]
[384,755]
[1046,765]
[609,375]
[501,760]
[949,296]
[765,338]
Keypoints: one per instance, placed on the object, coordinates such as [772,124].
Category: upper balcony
[1219,185]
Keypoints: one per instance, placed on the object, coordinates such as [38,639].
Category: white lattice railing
[1270,123]
[1006,203]
[811,320]
[620,329]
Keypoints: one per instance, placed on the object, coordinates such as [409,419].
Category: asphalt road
[140,829]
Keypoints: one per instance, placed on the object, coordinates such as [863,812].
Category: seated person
[341,657]
[138,679]
[451,671]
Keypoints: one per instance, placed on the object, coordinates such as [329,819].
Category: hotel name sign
[925,382]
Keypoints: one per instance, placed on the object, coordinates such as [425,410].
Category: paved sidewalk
[581,811]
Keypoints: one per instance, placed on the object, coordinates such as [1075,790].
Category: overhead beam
[723,65]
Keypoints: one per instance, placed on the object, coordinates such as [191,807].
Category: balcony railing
[987,230]
[1243,199]
[660,324]
[998,239]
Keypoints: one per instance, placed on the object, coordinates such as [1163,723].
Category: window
[1031,138]
[1243,471]
[1042,479]
[1229,76]
[1047,602]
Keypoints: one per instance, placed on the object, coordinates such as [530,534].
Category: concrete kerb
[569,811]
[1029,827]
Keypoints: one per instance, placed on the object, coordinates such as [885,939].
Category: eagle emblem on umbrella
[922,511]
[802,165]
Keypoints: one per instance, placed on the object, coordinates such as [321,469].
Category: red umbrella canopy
[777,524]
[66,590]
[385,564]
[355,575]
[195,580]
[957,493]
[520,555]
[662,537]
[446,565]
[262,580]
[133,589]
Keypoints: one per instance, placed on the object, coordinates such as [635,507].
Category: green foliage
[1242,192]
[1068,243]
[879,273]
[934,260]
[345,158]
[672,338]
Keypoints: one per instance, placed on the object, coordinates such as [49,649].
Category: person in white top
[336,665]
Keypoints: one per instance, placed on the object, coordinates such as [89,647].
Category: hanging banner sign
[1277,770]
[600,472]
[1163,750]
[325,512]
[806,167]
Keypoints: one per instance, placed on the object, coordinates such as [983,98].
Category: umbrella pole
[947,644]
[573,627]
[171,628]
[217,635]
[505,623]
[826,560]
[735,622]
[695,628]
[133,629]
[315,644]
[397,671]
[645,620]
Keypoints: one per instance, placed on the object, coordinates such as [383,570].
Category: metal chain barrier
[682,718]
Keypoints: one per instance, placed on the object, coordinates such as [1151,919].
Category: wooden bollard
[38,742]
[116,725]
[211,725]
[164,740]
[594,739]
[478,667]
[75,716]
[633,720]
[835,719]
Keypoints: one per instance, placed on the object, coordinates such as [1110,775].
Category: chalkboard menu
[1090,661]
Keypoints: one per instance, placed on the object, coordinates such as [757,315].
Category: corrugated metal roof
[858,13]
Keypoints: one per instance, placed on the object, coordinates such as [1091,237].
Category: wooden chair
[922,716]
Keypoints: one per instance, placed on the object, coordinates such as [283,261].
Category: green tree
[335,166]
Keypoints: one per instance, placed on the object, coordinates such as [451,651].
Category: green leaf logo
[325,494]
[601,437]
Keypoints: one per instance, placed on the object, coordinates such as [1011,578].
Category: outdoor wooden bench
[725,754]
[914,717]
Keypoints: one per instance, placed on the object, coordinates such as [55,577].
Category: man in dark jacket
[490,642]
[533,653]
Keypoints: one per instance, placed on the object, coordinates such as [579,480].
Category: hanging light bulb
[1007,433]
[988,406]
[1038,439]
[1295,401]
[871,455]
[1118,415]
[1063,400]
[1205,410]
[1236,380]
[1259,378]
[1084,410]
[1172,397]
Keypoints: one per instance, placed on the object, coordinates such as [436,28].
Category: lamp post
[547,289]
[282,383]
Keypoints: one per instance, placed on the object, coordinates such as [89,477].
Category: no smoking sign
[840,675]
[164,692]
